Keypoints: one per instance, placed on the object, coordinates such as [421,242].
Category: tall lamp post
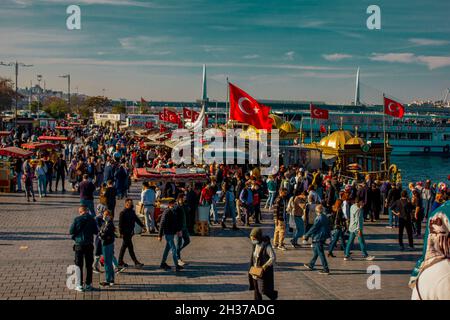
[39,79]
[67,76]
[16,65]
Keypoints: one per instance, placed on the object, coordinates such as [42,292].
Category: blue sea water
[421,168]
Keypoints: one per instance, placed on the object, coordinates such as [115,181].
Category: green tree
[85,112]
[7,94]
[97,103]
[35,106]
[119,108]
[56,107]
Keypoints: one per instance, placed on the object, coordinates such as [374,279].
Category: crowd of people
[324,207]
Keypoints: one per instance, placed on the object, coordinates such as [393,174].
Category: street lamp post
[67,76]
[39,79]
[16,65]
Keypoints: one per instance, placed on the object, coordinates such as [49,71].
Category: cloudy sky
[288,50]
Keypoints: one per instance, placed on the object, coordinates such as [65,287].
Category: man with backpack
[82,231]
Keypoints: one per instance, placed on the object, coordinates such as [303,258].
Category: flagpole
[227,104]
[310,122]
[384,137]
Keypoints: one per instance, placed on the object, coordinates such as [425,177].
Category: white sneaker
[369,258]
[79,288]
[181,263]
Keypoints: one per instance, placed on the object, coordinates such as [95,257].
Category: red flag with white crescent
[171,116]
[317,113]
[393,108]
[244,108]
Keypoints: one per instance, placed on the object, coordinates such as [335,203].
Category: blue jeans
[182,242]
[149,212]
[393,219]
[230,208]
[299,228]
[170,246]
[42,181]
[89,204]
[338,234]
[270,199]
[213,211]
[19,181]
[318,253]
[108,255]
[362,244]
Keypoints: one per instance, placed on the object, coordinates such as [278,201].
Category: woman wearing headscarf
[261,275]
[430,279]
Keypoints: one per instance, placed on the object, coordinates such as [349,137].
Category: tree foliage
[56,107]
[7,94]
[97,103]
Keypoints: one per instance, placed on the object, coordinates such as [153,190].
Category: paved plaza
[35,251]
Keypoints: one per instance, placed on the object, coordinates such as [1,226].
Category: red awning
[39,145]
[53,138]
[4,133]
[15,152]
[63,128]
[168,175]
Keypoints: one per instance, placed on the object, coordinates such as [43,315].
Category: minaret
[204,90]
[356,101]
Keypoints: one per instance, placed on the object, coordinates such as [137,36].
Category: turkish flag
[162,128]
[246,109]
[171,116]
[323,129]
[393,108]
[149,125]
[317,113]
[190,114]
[162,116]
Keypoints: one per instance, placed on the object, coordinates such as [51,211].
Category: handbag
[256,272]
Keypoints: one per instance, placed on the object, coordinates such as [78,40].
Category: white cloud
[428,42]
[394,57]
[336,56]
[132,3]
[289,55]
[136,43]
[172,63]
[213,48]
[251,56]
[432,62]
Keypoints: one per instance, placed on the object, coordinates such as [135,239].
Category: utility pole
[16,65]
[67,76]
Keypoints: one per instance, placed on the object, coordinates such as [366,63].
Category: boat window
[413,136]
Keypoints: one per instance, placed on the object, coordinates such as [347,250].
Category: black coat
[268,283]
[127,221]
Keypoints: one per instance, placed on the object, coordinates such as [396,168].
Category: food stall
[177,175]
[7,175]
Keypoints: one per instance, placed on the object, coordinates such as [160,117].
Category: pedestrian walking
[82,231]
[127,221]
[261,274]
[319,233]
[169,227]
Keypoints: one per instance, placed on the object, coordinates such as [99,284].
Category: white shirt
[434,282]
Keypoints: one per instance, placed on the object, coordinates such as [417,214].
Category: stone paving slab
[35,251]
